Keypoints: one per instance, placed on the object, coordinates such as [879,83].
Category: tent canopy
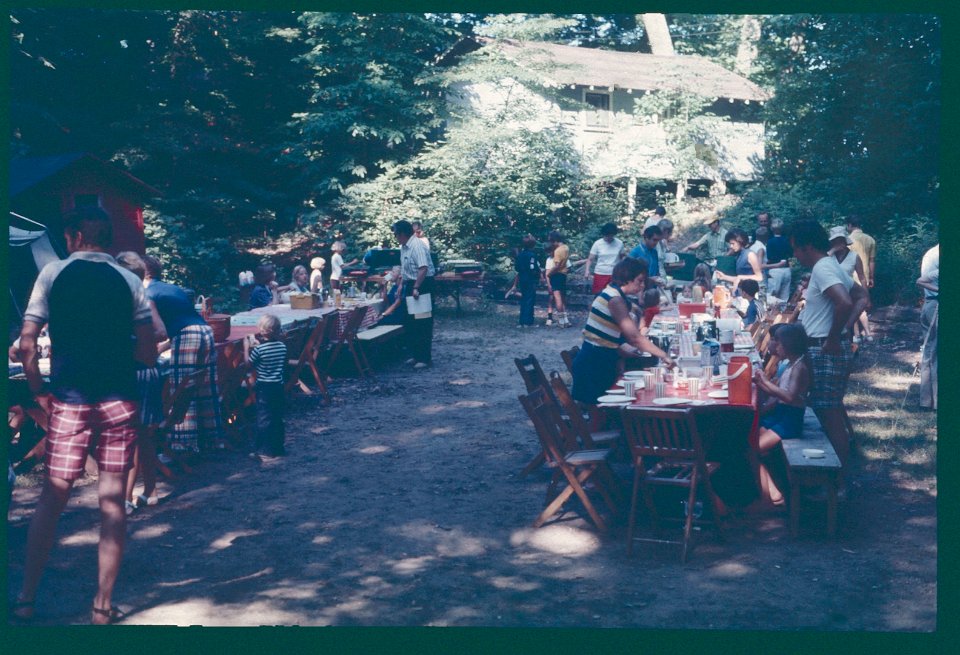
[29,251]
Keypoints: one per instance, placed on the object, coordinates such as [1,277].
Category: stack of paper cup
[693,387]
[659,389]
[658,375]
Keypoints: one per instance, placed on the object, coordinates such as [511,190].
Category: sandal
[112,615]
[22,610]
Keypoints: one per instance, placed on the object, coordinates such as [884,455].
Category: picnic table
[452,283]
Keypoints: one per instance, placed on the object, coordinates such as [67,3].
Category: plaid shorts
[830,373]
[108,428]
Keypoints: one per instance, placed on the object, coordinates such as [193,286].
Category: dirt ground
[400,505]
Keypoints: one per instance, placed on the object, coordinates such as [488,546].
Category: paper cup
[659,389]
[630,387]
[658,375]
[648,380]
[693,387]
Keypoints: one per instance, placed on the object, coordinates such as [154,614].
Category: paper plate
[719,394]
[698,403]
[633,374]
[813,453]
[616,399]
[670,401]
[617,392]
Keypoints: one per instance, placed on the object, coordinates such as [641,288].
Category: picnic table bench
[806,472]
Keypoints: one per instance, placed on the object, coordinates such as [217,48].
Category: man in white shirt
[833,303]
[929,281]
[416,269]
[606,251]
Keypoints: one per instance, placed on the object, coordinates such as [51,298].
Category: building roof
[630,70]
[28,172]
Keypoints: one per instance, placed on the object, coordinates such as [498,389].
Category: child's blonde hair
[317,263]
[338,246]
[269,326]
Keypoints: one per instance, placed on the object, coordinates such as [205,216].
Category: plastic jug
[740,384]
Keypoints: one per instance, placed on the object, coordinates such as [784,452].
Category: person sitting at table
[748,263]
[749,290]
[609,326]
[192,349]
[316,275]
[265,290]
[299,283]
[782,413]
[651,307]
[393,307]
[150,392]
[702,275]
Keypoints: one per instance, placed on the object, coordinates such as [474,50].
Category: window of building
[597,114]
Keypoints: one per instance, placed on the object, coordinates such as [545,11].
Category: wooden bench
[805,472]
[378,335]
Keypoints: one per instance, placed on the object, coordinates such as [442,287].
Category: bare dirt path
[400,505]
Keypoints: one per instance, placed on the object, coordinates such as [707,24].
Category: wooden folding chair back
[347,340]
[578,423]
[568,356]
[667,451]
[577,467]
[312,347]
[532,374]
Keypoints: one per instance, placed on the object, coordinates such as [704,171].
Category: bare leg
[132,473]
[834,424]
[113,531]
[770,494]
[148,461]
[40,538]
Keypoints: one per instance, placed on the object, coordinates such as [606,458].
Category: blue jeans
[528,294]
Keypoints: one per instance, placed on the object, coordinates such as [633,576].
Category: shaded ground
[399,505]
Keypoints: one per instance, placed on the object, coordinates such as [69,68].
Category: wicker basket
[220,324]
[306,301]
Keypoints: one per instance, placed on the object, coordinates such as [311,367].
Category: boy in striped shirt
[268,357]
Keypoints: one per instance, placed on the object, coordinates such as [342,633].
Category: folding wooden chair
[533,378]
[347,340]
[576,467]
[307,357]
[576,420]
[176,402]
[667,451]
[568,356]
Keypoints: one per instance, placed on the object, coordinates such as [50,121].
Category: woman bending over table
[782,413]
[609,326]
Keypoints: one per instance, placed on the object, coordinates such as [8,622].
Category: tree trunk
[658,35]
[747,50]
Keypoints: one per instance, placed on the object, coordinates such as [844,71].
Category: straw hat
[839,232]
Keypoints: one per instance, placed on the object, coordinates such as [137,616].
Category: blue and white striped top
[269,360]
[601,330]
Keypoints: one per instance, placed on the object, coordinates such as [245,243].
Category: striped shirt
[601,329]
[269,360]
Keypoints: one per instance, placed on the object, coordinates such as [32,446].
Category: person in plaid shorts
[831,305]
[100,326]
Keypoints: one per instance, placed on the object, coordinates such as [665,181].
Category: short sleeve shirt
[652,257]
[606,254]
[269,359]
[930,268]
[716,246]
[174,307]
[817,313]
[413,255]
[866,247]
[91,306]
[336,266]
[778,249]
[561,254]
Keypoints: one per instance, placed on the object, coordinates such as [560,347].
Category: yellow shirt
[560,256]
[866,248]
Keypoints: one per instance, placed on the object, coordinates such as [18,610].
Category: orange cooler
[740,387]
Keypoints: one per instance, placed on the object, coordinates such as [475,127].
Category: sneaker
[146,501]
[410,362]
[128,507]
[868,338]
[856,339]
[420,366]
[549,321]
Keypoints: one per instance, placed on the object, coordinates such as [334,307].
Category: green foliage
[900,247]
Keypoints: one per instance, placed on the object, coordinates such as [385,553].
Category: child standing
[268,357]
[528,276]
[337,263]
[316,274]
[749,290]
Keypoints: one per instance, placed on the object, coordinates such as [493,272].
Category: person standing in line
[666,235]
[778,262]
[418,232]
[763,221]
[606,251]
[647,250]
[866,248]
[714,241]
[748,263]
[527,278]
[100,328]
[267,354]
[557,276]
[417,272]
[929,281]
[832,304]
[337,264]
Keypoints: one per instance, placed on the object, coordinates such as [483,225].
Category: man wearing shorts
[833,303]
[100,326]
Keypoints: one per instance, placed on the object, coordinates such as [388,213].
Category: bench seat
[806,472]
[380,333]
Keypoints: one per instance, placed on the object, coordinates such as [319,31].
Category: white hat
[838,232]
